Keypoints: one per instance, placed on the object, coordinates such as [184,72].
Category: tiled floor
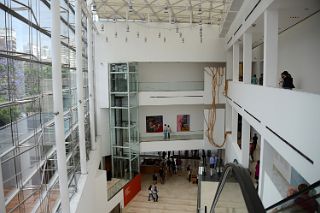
[175,196]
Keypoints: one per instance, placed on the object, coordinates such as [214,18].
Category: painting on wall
[154,124]
[183,123]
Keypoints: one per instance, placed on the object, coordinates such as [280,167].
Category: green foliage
[8,114]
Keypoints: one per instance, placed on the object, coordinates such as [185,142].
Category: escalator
[236,193]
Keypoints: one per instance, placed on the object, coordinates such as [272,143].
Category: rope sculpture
[217,74]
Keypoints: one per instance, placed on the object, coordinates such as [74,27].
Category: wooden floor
[177,195]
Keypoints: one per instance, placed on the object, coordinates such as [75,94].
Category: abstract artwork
[183,123]
[154,123]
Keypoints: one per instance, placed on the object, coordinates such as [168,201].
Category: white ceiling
[173,11]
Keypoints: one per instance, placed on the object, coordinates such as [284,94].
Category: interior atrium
[213,103]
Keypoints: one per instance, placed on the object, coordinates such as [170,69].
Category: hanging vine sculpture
[217,78]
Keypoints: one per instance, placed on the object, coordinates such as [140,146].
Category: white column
[245,143]
[235,49]
[270,51]
[58,106]
[78,35]
[247,57]
[2,199]
[228,117]
[234,125]
[91,85]
[229,73]
[264,162]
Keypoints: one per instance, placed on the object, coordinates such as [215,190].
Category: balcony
[288,119]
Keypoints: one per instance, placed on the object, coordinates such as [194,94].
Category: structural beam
[58,106]
[81,117]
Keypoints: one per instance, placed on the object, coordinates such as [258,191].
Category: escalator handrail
[294,196]
[251,198]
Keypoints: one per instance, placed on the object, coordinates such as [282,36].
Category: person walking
[150,193]
[155,193]
[254,79]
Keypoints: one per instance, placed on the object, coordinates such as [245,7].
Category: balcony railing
[172,86]
[191,135]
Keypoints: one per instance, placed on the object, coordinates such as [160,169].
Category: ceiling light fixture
[166,9]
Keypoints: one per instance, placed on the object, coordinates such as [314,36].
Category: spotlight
[166,9]
[130,8]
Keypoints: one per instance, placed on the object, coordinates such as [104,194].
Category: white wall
[170,72]
[136,49]
[170,98]
[92,187]
[172,145]
[299,54]
[169,114]
[271,194]
[102,129]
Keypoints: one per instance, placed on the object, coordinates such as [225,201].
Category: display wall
[169,114]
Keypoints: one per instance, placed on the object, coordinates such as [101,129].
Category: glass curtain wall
[124,120]
[27,140]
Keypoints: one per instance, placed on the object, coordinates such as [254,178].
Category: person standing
[168,131]
[254,79]
[212,161]
[256,174]
[253,145]
[261,79]
[287,80]
[165,130]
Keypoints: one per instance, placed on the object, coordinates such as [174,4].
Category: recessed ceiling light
[294,17]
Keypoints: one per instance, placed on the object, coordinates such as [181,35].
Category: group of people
[166,131]
[286,81]
[255,80]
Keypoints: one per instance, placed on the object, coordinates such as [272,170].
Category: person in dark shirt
[287,80]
